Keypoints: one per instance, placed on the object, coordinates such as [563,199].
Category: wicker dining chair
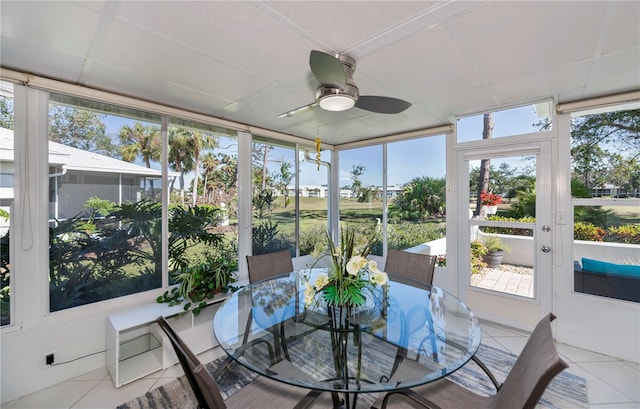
[415,266]
[263,266]
[534,369]
[262,392]
[413,269]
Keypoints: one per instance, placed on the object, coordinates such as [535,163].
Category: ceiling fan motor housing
[350,91]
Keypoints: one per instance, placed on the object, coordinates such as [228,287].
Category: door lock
[546,228]
[545,249]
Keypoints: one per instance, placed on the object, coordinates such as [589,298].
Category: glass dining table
[413,334]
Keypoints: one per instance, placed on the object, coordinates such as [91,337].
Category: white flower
[321,281]
[373,266]
[379,278]
[356,264]
[308,298]
[309,293]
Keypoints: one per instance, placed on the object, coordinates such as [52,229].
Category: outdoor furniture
[260,393]
[419,269]
[536,366]
[263,266]
[605,279]
[366,347]
[415,266]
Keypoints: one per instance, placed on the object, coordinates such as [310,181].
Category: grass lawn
[313,212]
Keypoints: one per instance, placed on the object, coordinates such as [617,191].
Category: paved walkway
[507,278]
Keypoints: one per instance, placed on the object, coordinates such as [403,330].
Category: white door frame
[512,310]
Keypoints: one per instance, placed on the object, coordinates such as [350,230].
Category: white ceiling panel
[620,29]
[611,71]
[340,25]
[193,70]
[426,65]
[248,61]
[546,35]
[236,33]
[67,28]
[16,53]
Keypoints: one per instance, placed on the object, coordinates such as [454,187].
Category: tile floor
[611,383]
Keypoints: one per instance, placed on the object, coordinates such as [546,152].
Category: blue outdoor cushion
[604,267]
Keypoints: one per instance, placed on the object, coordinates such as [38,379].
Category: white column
[244,203]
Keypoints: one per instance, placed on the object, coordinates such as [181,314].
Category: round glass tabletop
[412,334]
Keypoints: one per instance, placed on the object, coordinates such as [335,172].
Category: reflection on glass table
[409,335]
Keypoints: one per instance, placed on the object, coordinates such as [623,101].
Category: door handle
[545,249]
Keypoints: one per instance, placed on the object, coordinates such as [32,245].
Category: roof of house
[77,159]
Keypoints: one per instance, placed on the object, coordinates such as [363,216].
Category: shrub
[420,199]
[624,234]
[588,232]
[405,235]
[510,230]
[267,238]
[477,251]
[310,237]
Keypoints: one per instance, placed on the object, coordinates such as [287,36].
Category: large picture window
[274,210]
[105,187]
[314,200]
[203,185]
[361,190]
[416,195]
[7,183]
[605,191]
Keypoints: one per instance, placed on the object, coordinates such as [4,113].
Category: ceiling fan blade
[327,69]
[382,105]
[301,109]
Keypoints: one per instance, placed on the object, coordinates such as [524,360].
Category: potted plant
[490,202]
[200,283]
[495,249]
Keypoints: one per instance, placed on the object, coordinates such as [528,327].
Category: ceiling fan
[338,92]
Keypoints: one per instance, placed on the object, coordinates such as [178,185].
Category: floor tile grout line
[632,399]
[85,394]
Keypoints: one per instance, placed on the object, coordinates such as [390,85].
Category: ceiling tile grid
[248,61]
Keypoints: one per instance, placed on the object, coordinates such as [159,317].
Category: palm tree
[209,165]
[199,141]
[141,140]
[180,155]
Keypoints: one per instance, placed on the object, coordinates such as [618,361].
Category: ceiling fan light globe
[337,102]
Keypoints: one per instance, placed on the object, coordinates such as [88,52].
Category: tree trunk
[195,181]
[265,158]
[485,164]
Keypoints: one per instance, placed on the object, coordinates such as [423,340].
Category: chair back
[418,267]
[267,265]
[534,369]
[205,388]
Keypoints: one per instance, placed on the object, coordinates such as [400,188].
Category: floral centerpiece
[351,277]
[349,293]
[490,199]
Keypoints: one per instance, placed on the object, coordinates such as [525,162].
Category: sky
[406,159]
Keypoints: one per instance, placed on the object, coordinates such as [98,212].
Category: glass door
[505,209]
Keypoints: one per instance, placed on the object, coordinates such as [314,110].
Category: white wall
[23,368]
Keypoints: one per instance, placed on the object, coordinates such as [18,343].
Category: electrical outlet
[49,359]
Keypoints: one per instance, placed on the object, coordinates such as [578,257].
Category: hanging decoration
[318,151]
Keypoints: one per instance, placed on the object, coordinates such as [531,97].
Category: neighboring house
[307,191]
[75,175]
[609,190]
